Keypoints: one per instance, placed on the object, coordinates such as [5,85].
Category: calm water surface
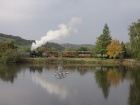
[69,85]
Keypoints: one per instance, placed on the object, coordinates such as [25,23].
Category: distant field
[24,47]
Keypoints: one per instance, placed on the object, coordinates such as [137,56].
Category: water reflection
[60,74]
[50,87]
[113,77]
[83,69]
[36,68]
[134,94]
[8,73]
[102,81]
[109,76]
[102,85]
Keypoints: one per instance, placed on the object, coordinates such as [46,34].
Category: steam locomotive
[35,54]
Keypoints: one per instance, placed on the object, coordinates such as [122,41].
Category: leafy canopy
[114,48]
[8,52]
[134,34]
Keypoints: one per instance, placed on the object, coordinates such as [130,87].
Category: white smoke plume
[63,31]
[75,21]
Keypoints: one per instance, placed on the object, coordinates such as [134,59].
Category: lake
[69,85]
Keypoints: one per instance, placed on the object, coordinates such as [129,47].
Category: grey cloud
[31,19]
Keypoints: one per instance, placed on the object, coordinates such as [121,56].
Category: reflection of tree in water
[134,95]
[113,77]
[36,68]
[69,68]
[101,79]
[8,72]
[123,71]
[83,69]
[107,76]
[51,67]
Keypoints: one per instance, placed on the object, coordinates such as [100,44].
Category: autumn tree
[103,41]
[114,48]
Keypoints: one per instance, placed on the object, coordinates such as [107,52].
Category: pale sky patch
[31,19]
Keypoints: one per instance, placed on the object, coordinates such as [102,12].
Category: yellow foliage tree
[114,48]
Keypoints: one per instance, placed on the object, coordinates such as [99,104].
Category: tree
[41,49]
[114,48]
[69,49]
[10,55]
[8,52]
[103,41]
[6,45]
[83,49]
[128,50]
[124,51]
[134,33]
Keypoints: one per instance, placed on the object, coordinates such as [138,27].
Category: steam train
[68,54]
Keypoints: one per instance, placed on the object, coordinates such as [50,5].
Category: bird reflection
[59,74]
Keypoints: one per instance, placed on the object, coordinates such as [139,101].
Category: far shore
[81,61]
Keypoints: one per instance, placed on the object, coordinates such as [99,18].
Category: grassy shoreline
[80,61]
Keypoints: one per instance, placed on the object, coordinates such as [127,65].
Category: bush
[10,55]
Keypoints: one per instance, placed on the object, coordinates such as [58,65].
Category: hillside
[77,46]
[18,40]
[54,45]
[24,44]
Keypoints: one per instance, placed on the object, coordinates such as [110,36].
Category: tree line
[104,45]
[113,47]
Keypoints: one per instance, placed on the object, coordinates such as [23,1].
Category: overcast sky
[32,19]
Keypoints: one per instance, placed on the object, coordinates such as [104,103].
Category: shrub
[10,55]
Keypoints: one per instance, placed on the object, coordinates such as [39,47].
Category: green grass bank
[80,61]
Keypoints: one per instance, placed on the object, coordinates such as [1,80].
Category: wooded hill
[24,43]
[77,45]
[18,40]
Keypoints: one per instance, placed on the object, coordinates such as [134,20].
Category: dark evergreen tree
[103,41]
[124,51]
